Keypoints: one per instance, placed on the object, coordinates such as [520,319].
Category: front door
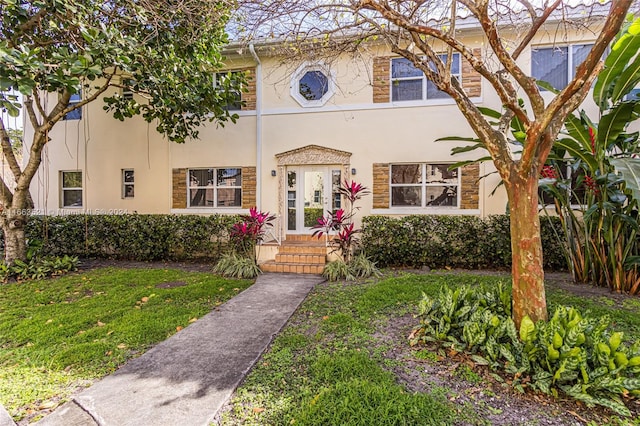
[312,191]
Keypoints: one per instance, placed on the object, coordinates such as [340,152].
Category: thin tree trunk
[526,245]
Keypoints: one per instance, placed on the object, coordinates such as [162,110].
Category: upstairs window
[312,85]
[76,114]
[409,83]
[215,187]
[424,185]
[557,65]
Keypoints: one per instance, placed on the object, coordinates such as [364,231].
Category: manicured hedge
[134,237]
[451,241]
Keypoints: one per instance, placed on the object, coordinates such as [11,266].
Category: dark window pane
[580,52]
[76,114]
[550,65]
[406,173]
[229,197]
[201,197]
[72,179]
[442,196]
[434,93]
[128,191]
[406,90]
[223,82]
[72,198]
[128,176]
[201,177]
[229,177]
[439,173]
[313,85]
[406,196]
[402,67]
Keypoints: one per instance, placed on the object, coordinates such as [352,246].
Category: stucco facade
[283,155]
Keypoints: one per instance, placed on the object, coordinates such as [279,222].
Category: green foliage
[571,353]
[136,237]
[235,266]
[359,266]
[167,57]
[37,268]
[451,241]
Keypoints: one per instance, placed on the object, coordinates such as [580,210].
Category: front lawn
[344,359]
[60,334]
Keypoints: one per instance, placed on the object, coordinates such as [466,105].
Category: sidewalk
[188,377]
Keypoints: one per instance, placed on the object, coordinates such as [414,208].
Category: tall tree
[52,51]
[421,31]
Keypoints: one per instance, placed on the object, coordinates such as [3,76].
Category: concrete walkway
[188,377]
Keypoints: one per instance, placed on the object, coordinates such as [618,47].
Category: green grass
[321,368]
[57,334]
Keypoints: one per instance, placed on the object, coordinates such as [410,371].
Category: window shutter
[249,97]
[248,187]
[471,79]
[179,189]
[469,186]
[381,75]
[380,186]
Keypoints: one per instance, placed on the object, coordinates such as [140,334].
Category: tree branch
[7,151]
[537,23]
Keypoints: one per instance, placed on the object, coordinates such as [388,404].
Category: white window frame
[126,184]
[214,187]
[424,79]
[63,189]
[311,67]
[423,185]
[571,67]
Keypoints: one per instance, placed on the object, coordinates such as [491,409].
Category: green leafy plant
[361,266]
[575,354]
[36,268]
[339,269]
[236,266]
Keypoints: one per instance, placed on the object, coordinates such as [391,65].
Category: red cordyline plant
[341,223]
[247,234]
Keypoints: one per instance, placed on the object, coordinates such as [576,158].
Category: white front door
[312,191]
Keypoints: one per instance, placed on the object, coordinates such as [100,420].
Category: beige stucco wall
[373,133]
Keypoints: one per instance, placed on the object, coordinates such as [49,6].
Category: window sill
[441,211]
[210,210]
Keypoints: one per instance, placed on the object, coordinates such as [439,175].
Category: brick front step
[292,268]
[320,250]
[300,237]
[317,259]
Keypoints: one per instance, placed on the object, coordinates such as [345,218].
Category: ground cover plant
[57,335]
[344,358]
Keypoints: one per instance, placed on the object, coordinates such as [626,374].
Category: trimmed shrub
[132,237]
[451,241]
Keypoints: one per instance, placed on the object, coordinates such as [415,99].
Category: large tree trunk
[13,223]
[526,245]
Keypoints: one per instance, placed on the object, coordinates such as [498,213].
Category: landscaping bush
[133,237]
[451,241]
[578,355]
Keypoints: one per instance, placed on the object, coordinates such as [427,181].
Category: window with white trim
[424,185]
[76,114]
[128,183]
[71,188]
[215,187]
[127,91]
[312,84]
[557,65]
[409,83]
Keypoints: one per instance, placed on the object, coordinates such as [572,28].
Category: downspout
[258,127]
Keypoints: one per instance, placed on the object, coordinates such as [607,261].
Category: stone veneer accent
[380,186]
[179,189]
[248,187]
[249,97]
[471,79]
[381,75]
[469,186]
